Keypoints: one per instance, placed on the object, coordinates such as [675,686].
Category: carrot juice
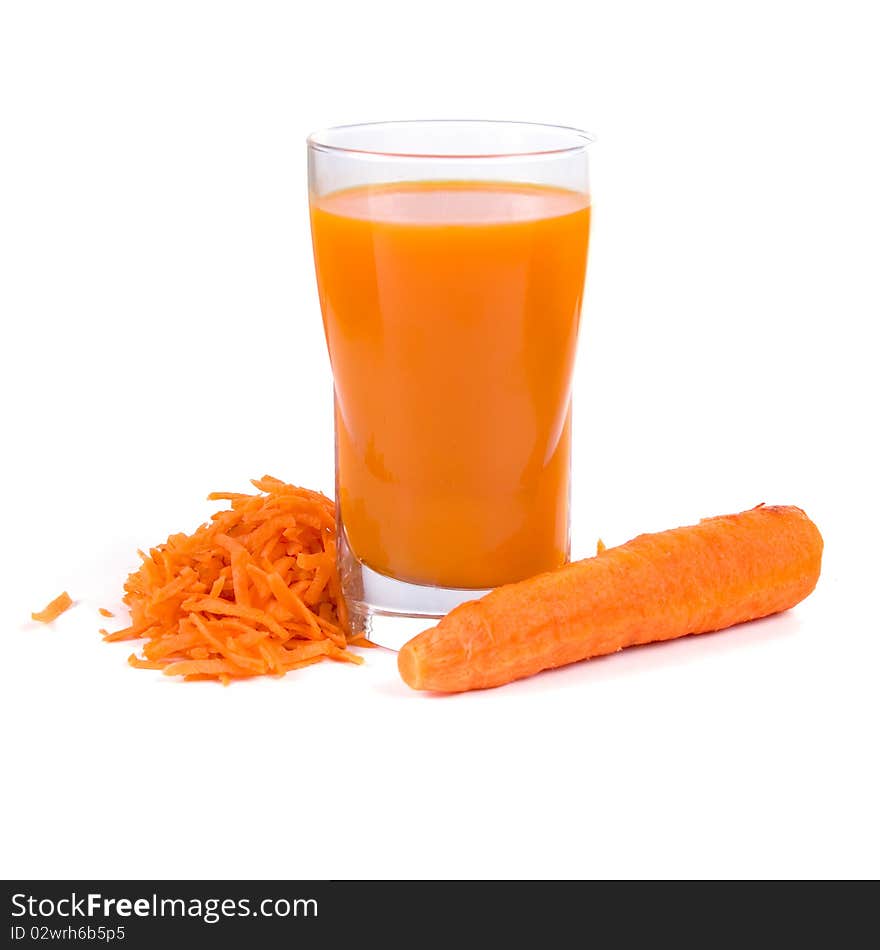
[451,312]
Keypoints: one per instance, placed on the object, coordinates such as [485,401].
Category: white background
[162,339]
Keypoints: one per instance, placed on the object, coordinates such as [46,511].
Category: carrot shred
[104,612]
[54,609]
[252,592]
[134,632]
[361,641]
[141,664]
[287,598]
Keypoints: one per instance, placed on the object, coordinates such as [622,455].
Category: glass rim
[580,140]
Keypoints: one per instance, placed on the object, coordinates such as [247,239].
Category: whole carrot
[703,577]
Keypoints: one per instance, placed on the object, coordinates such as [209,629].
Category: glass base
[390,612]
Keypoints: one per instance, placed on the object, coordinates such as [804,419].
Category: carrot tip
[409,665]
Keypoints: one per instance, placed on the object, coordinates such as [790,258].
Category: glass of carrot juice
[450,260]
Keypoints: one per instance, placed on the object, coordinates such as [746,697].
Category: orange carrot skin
[696,579]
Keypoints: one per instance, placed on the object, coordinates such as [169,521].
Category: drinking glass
[450,260]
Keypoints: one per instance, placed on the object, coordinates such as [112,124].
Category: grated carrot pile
[54,609]
[254,591]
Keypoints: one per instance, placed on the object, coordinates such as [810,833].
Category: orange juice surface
[451,312]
